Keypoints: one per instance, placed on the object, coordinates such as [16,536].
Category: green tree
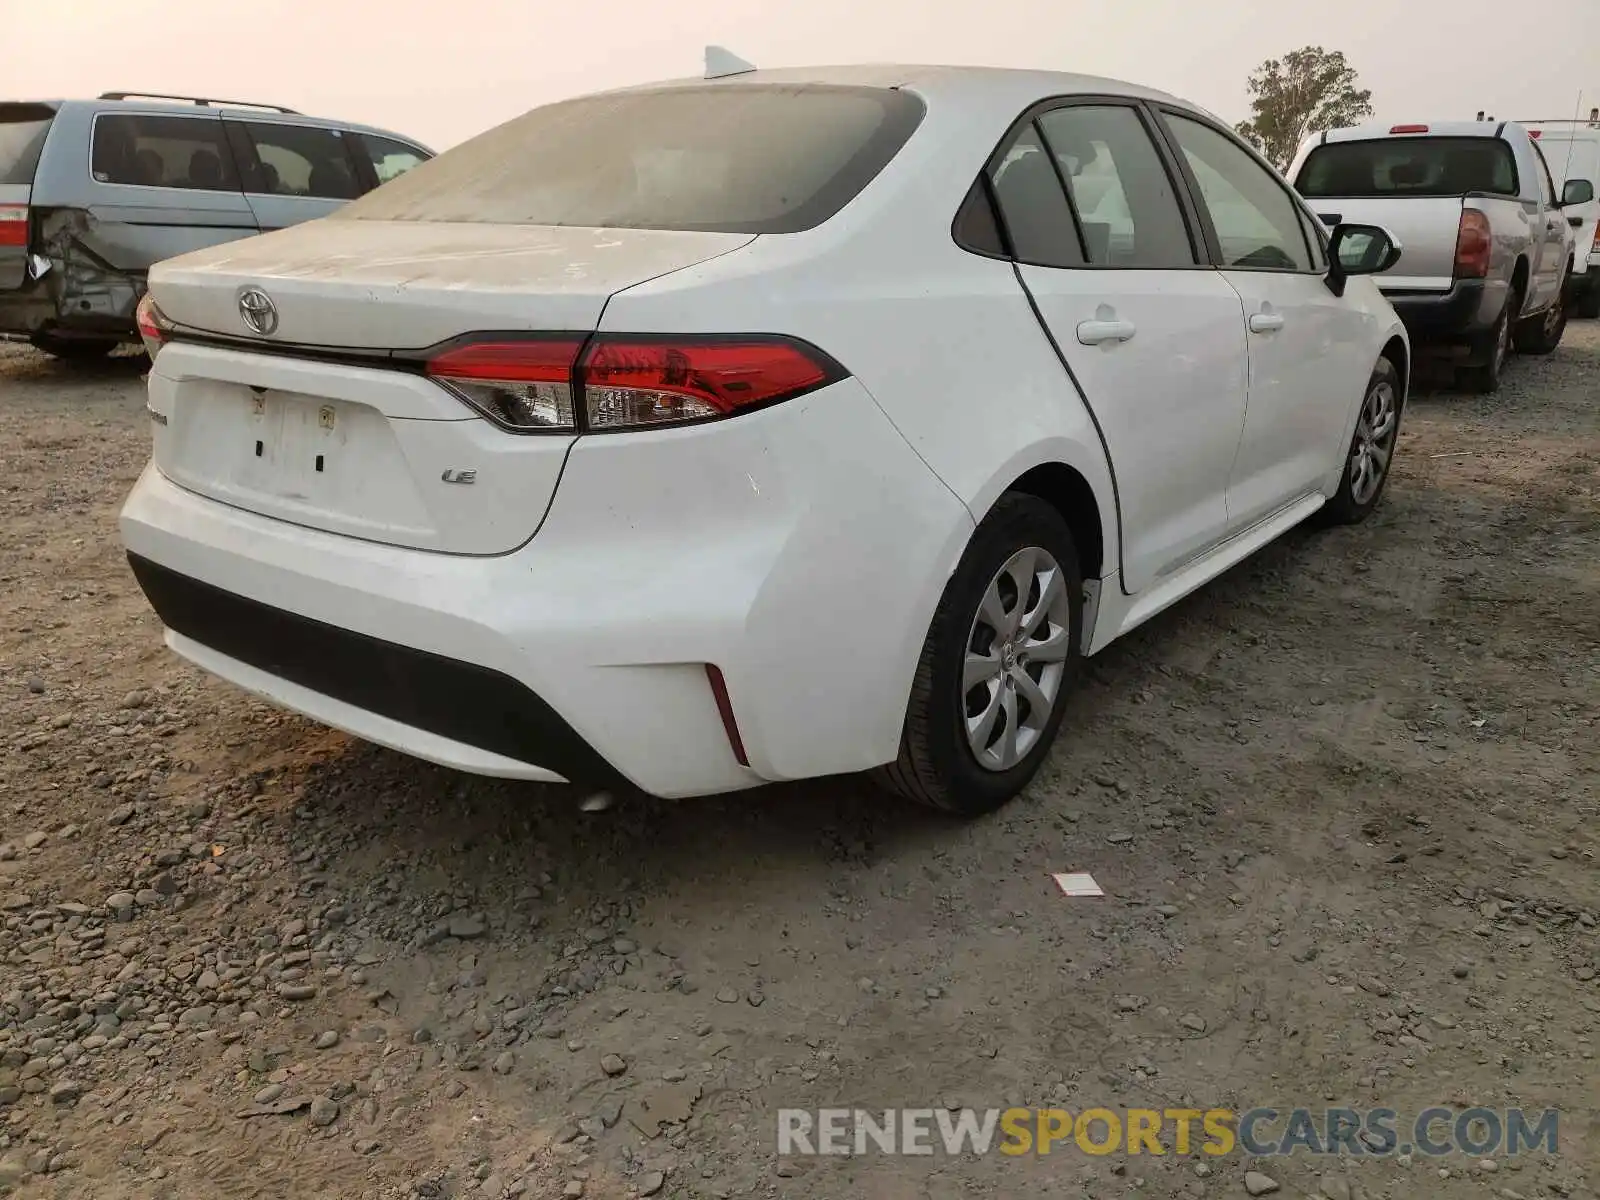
[1304,92]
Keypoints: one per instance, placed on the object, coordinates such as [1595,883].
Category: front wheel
[997,663]
[1371,453]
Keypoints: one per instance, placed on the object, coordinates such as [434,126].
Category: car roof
[136,104]
[1006,88]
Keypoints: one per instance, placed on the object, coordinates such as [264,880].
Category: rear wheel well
[1519,281]
[1069,493]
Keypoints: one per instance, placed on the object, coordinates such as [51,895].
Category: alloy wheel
[1016,658]
[1374,441]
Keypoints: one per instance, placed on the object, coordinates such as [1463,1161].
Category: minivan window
[301,160]
[734,158]
[22,132]
[170,152]
[389,158]
[1409,166]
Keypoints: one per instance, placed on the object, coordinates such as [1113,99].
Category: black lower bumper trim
[461,701]
[1466,310]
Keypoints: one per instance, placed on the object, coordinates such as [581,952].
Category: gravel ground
[1343,803]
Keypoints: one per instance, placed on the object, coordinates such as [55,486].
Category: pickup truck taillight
[1473,244]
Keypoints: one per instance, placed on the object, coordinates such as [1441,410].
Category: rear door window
[1127,205]
[22,132]
[1408,166]
[299,160]
[1034,205]
[167,151]
[390,159]
[734,158]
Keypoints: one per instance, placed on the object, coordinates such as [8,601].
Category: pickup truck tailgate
[1425,226]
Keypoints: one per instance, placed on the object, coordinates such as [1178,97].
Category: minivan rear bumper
[77,300]
[1470,308]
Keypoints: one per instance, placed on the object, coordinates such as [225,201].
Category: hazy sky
[442,70]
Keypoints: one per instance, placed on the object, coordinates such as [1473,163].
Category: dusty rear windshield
[22,130]
[1409,166]
[729,158]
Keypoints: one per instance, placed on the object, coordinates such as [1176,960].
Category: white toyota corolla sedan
[753,428]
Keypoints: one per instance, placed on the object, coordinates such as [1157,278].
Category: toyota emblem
[258,312]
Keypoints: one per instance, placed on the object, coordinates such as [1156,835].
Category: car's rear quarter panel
[948,347]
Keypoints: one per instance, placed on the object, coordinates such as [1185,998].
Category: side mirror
[1577,191]
[1359,250]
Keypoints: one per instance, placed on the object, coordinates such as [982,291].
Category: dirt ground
[1343,803]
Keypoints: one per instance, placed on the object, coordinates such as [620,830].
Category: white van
[1572,149]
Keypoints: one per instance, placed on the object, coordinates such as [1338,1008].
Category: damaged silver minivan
[95,192]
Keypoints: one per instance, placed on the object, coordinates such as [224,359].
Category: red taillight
[1534,133]
[1473,244]
[1393,129]
[154,328]
[13,224]
[627,382]
[524,385]
[630,383]
[1596,248]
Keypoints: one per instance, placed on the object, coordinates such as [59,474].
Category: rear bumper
[801,550]
[1469,309]
[478,717]
[96,304]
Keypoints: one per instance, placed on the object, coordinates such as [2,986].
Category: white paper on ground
[1077,884]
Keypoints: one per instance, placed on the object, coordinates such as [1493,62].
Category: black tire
[74,349]
[1587,305]
[1348,506]
[1541,333]
[937,765]
[1493,350]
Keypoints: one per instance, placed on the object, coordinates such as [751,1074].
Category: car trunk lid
[406,285]
[329,422]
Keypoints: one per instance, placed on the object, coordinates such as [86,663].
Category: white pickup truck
[1488,252]
[1572,148]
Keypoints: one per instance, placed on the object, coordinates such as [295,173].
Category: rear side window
[1409,166]
[390,159]
[735,158]
[1127,207]
[22,131]
[1034,207]
[299,160]
[170,152]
